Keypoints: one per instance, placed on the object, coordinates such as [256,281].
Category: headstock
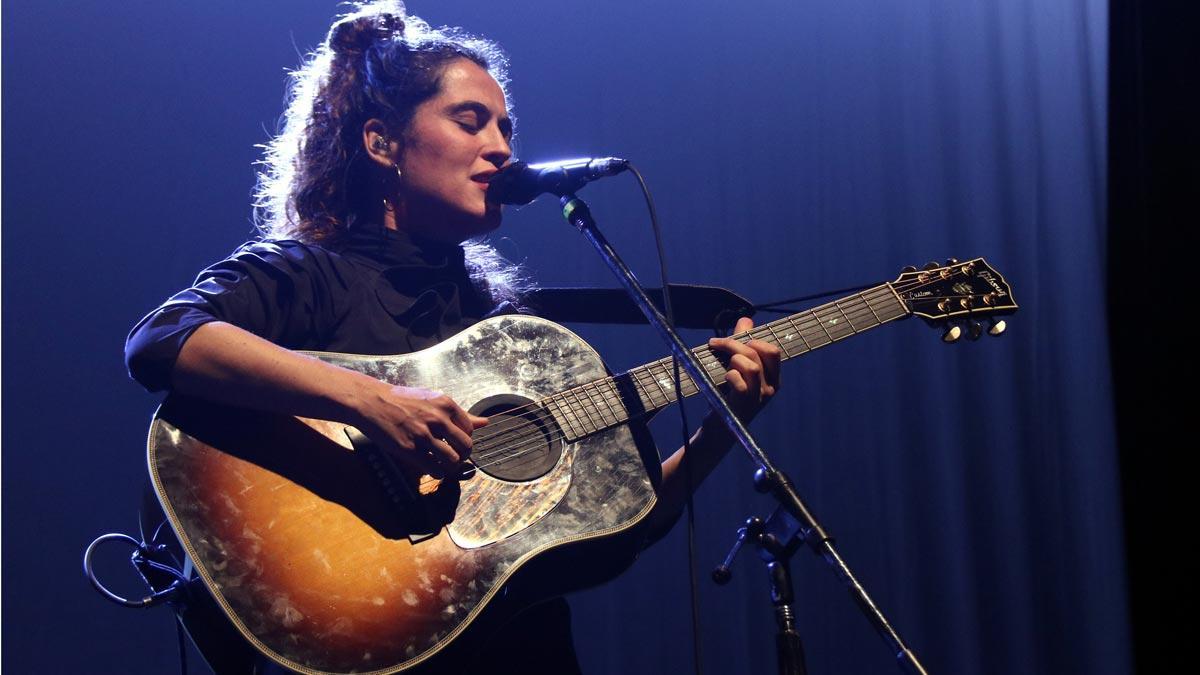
[957,294]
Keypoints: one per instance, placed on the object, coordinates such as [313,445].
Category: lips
[485,177]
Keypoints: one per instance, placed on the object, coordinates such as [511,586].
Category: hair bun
[356,34]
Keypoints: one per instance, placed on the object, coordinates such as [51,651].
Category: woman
[379,176]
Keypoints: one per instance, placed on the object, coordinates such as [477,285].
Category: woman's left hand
[753,375]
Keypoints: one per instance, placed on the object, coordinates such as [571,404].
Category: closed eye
[473,116]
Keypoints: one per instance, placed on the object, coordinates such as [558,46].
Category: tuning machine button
[952,334]
[974,330]
[997,328]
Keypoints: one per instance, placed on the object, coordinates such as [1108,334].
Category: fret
[580,405]
[855,313]
[661,374]
[798,333]
[606,418]
[791,345]
[645,393]
[832,324]
[711,362]
[775,340]
[564,415]
[571,412]
[873,312]
[899,301]
[841,311]
[821,324]
[839,325]
[612,400]
[813,325]
[664,379]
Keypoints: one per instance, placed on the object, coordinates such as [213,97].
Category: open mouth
[485,177]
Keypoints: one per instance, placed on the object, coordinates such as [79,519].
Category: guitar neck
[605,403]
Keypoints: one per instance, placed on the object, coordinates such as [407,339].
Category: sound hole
[521,441]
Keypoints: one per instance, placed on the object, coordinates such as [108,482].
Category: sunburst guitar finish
[327,566]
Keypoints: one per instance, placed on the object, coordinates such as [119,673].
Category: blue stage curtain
[792,147]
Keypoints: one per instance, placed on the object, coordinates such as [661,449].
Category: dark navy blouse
[383,292]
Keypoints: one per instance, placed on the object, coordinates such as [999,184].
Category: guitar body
[325,565]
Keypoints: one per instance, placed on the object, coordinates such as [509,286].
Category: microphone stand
[767,478]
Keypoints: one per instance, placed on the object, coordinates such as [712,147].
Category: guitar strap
[706,307]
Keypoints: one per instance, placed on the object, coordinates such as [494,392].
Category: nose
[498,150]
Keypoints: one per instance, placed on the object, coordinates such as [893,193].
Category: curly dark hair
[376,62]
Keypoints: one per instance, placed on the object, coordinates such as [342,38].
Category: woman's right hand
[424,430]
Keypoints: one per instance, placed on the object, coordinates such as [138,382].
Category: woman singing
[370,204]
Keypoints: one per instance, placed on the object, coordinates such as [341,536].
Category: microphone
[519,183]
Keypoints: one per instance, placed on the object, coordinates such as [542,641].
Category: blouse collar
[398,249]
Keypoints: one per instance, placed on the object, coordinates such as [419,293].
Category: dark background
[792,147]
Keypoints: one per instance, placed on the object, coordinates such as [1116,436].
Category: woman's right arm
[222,362]
[200,343]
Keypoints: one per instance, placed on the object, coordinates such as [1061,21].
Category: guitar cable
[148,561]
[693,579]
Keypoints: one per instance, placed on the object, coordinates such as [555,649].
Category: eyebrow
[482,110]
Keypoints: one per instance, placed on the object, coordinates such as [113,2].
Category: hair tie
[355,36]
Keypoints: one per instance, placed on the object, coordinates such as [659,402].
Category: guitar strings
[620,414]
[524,439]
[527,439]
[519,428]
[706,355]
[742,337]
[764,330]
[609,406]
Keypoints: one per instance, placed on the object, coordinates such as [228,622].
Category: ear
[382,147]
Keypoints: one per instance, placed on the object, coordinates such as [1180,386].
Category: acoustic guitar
[328,558]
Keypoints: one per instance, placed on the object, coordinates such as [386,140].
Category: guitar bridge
[421,522]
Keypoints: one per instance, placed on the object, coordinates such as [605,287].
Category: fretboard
[605,403]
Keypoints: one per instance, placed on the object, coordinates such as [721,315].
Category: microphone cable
[693,580]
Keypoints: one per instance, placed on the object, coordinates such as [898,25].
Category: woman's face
[456,141]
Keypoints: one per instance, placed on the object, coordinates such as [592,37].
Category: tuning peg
[974,330]
[932,265]
[952,334]
[997,328]
[950,262]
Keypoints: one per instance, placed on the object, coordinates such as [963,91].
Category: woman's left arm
[752,379]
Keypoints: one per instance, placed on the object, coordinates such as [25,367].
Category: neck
[643,390]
